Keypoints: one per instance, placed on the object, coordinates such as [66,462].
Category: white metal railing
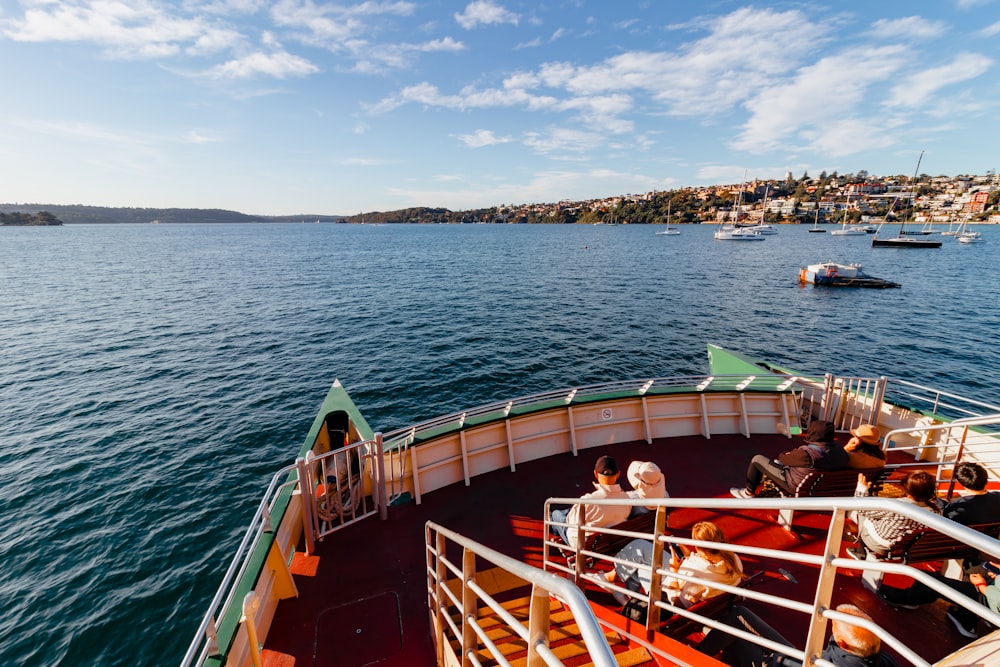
[466,631]
[935,401]
[339,479]
[334,486]
[641,387]
[815,603]
[205,643]
[974,439]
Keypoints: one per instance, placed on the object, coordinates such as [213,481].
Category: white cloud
[991,30]
[279,65]
[563,140]
[126,30]
[839,138]
[485,12]
[481,138]
[818,96]
[912,27]
[919,88]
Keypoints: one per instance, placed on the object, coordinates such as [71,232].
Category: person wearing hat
[647,482]
[863,449]
[606,473]
[819,452]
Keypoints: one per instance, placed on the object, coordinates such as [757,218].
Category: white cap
[646,478]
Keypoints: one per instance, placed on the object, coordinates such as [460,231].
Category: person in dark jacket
[979,505]
[850,645]
[819,452]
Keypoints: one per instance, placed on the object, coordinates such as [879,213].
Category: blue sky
[296,106]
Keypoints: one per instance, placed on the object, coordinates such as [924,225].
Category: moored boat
[903,238]
[731,233]
[428,544]
[832,274]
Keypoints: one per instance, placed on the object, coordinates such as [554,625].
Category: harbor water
[155,375]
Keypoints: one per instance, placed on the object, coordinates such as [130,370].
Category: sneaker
[737,492]
[962,630]
[620,598]
[887,594]
[857,553]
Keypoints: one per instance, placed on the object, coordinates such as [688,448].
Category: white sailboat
[669,231]
[734,231]
[762,227]
[815,228]
[966,235]
[845,229]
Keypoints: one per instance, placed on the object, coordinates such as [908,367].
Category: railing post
[880,386]
[306,498]
[656,581]
[212,635]
[538,625]
[437,605]
[379,484]
[827,397]
[815,639]
[250,606]
[468,605]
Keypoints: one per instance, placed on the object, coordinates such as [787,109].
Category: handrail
[936,404]
[590,630]
[956,448]
[204,639]
[828,562]
[641,387]
[698,383]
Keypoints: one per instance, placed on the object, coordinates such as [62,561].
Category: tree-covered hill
[98,215]
[19,219]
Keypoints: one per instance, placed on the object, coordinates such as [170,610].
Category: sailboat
[853,230]
[735,231]
[669,231]
[966,235]
[762,227]
[815,228]
[902,241]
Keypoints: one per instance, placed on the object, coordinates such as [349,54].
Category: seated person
[606,473]
[850,645]
[819,452]
[647,482]
[863,449]
[965,621]
[979,505]
[706,563]
[879,530]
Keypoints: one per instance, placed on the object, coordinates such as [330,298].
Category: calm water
[154,376]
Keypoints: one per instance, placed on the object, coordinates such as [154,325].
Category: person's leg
[640,552]
[638,511]
[920,593]
[865,537]
[761,466]
[737,651]
[560,516]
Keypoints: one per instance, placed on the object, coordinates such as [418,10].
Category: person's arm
[795,458]
[864,486]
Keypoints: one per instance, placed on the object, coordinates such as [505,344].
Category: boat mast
[913,194]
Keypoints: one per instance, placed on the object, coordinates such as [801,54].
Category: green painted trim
[337,400]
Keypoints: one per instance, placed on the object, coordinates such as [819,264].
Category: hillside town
[859,198]
[826,199]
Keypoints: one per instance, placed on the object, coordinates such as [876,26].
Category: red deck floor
[366,604]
